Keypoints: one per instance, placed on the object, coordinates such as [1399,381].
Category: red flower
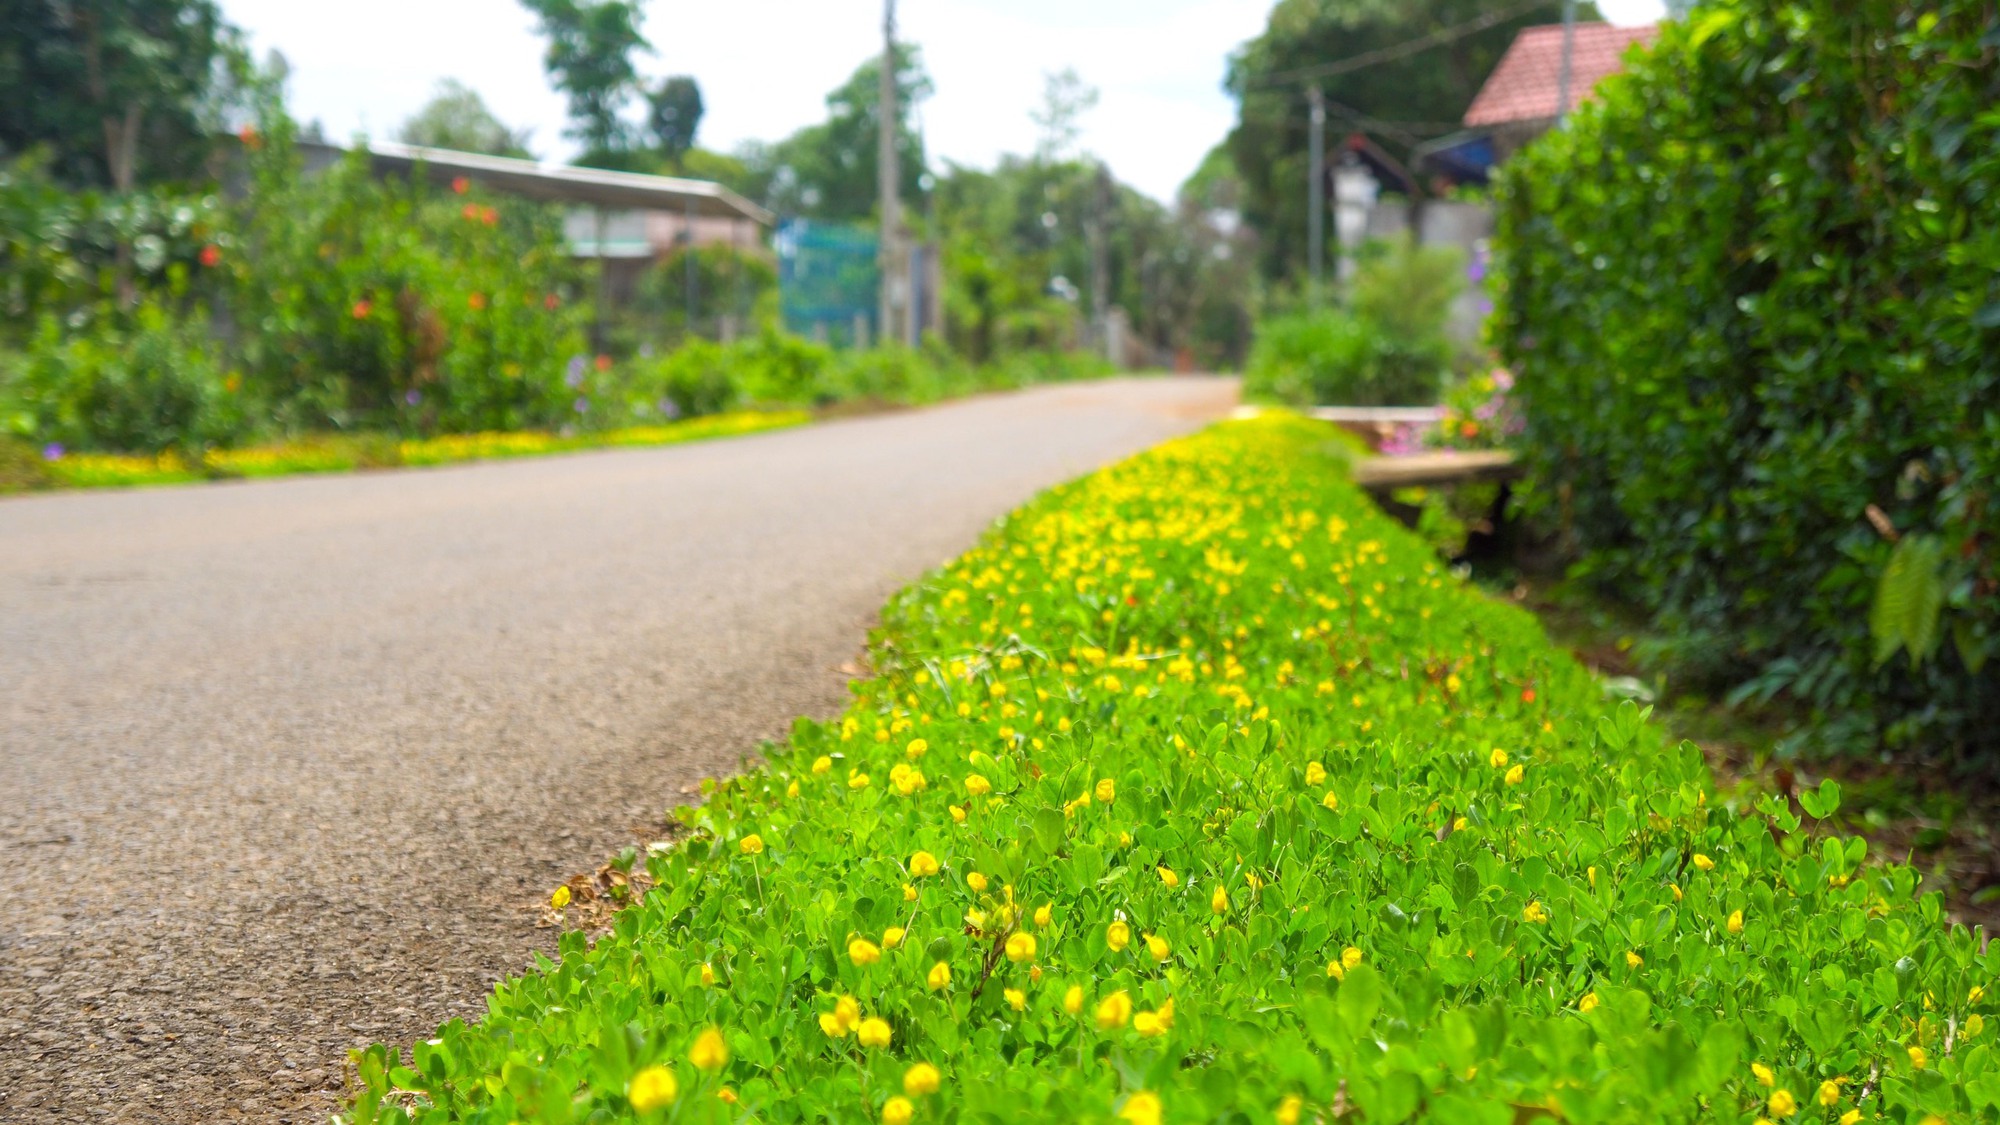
[248,135]
[1528,695]
[362,308]
[604,363]
[211,255]
[489,215]
[476,300]
[461,185]
[551,301]
[470,211]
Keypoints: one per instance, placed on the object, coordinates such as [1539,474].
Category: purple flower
[578,366]
[413,397]
[669,408]
[53,451]
[1503,378]
[582,404]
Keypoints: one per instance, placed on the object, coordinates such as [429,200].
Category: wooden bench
[1437,468]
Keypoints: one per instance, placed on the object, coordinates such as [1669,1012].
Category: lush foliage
[1753,312]
[457,118]
[1385,346]
[1197,791]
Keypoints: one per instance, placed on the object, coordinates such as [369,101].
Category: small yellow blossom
[976,881]
[1515,775]
[873,1032]
[792,790]
[1158,947]
[1919,1058]
[1781,1104]
[707,975]
[898,1111]
[652,1088]
[1106,791]
[1114,1011]
[1534,913]
[909,893]
[856,780]
[1045,915]
[1219,901]
[1498,757]
[1633,960]
[709,1052]
[958,814]
[1118,935]
[1289,1109]
[752,844]
[861,951]
[917,747]
[1016,999]
[830,1024]
[1975,995]
[1588,1003]
[1735,923]
[1315,773]
[940,975]
[1168,877]
[1350,957]
[922,864]
[847,1012]
[1073,999]
[1851,1117]
[1703,862]
[726,1095]
[1142,1108]
[560,898]
[1829,1093]
[1763,1074]
[892,937]
[1020,947]
[822,764]
[977,785]
[921,1079]
[1331,801]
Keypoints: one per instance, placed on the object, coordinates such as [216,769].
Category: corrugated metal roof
[1524,86]
[561,183]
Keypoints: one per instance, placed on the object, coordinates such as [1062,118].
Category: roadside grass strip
[334,454]
[1200,791]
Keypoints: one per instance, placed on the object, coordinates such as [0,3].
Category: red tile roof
[1524,86]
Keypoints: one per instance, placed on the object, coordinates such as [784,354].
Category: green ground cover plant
[1749,296]
[1200,791]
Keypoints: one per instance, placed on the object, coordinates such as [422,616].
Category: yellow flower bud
[940,975]
[1781,1103]
[1168,877]
[977,785]
[1114,1011]
[1073,999]
[1703,862]
[1020,947]
[873,1032]
[707,975]
[917,747]
[861,951]
[822,764]
[560,898]
[1016,999]
[921,1079]
[1289,1109]
[1218,902]
[1142,1108]
[1498,757]
[1106,791]
[709,1052]
[1118,936]
[1919,1058]
[1588,1003]
[1158,947]
[897,1111]
[1735,923]
[652,1088]
[1315,773]
[1829,1093]
[892,937]
[1045,915]
[1762,1074]
[976,881]
[1515,775]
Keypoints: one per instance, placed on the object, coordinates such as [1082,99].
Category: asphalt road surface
[286,766]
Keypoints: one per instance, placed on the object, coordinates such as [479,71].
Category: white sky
[765,66]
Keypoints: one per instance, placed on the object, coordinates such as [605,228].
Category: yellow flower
[792,790]
[1633,960]
[1073,999]
[652,1088]
[727,1095]
[922,864]
[1919,1058]
[1974,1024]
[1142,1108]
[1289,1109]
[752,844]
[1219,901]
[1147,1024]
[560,898]
[847,1012]
[1315,773]
[822,764]
[1168,877]
[921,1079]
[873,1032]
[1975,995]
[940,975]
[1020,947]
[1336,970]
[917,747]
[892,937]
[1016,999]
[1676,888]
[1735,923]
[976,881]
[1703,862]
[1851,1117]
[909,893]
[1158,947]
[1829,1093]
[830,1024]
[957,814]
[1534,913]
[1106,791]
[1781,1104]
[1118,936]
[977,785]
[1515,775]
[1124,839]
[857,780]
[1763,1074]
[1331,801]
[1113,1011]
[861,951]
[709,1051]
[1350,957]
[1498,757]
[707,975]
[897,1111]
[1588,1003]
[1045,915]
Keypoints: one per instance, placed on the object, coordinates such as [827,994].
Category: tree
[456,117]
[673,116]
[1065,99]
[119,91]
[1399,102]
[591,44]
[828,170]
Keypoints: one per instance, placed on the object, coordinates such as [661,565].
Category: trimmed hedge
[1750,294]
[1199,792]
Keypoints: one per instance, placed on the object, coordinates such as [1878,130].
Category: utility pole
[1316,198]
[1100,265]
[889,248]
[1569,50]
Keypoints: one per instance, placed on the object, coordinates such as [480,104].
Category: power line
[1401,50]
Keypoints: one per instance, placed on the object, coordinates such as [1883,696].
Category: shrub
[1335,357]
[1757,332]
[1198,792]
[144,381]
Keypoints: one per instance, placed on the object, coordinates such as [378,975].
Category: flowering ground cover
[1199,790]
[332,455]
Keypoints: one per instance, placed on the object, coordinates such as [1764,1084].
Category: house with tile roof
[1519,100]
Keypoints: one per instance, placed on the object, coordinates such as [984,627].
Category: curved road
[286,766]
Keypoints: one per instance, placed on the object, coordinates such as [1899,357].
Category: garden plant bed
[1200,789]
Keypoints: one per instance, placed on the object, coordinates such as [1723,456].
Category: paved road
[284,766]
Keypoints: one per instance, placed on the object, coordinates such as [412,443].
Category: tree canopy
[456,117]
[827,170]
[673,116]
[119,93]
[589,59]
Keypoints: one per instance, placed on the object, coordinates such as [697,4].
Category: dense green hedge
[1752,300]
[1198,792]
